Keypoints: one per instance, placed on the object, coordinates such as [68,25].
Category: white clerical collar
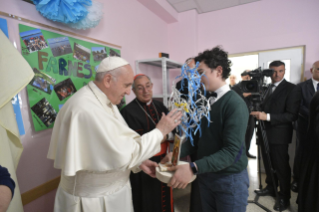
[108,102]
[277,83]
[147,103]
[315,83]
[222,91]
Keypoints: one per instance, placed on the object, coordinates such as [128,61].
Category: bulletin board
[62,64]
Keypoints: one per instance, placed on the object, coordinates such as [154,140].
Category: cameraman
[251,122]
[280,109]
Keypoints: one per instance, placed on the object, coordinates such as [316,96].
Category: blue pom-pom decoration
[92,19]
[65,11]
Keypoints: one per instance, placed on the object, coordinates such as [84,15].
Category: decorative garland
[193,103]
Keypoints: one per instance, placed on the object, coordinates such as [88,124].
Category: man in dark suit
[280,109]
[306,91]
[251,121]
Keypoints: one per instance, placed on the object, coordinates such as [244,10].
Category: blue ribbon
[198,108]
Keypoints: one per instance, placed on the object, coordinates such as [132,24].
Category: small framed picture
[64,89]
[60,46]
[34,40]
[44,110]
[81,53]
[99,53]
[42,81]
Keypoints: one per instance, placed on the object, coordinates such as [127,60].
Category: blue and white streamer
[194,104]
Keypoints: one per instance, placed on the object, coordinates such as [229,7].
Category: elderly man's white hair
[110,65]
[138,77]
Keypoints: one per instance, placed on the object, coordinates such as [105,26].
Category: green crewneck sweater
[222,141]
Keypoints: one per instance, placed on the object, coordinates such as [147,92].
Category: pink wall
[183,36]
[127,23]
[42,204]
[263,25]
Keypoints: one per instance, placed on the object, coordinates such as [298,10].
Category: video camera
[257,80]
[256,85]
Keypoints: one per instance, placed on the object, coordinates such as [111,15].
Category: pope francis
[95,148]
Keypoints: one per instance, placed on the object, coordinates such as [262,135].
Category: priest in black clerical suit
[280,110]
[306,91]
[142,115]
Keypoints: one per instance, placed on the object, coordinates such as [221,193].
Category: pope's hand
[169,122]
[167,158]
[182,176]
[148,167]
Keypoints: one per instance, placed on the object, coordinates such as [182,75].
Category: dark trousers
[224,193]
[195,203]
[249,132]
[280,162]
[301,138]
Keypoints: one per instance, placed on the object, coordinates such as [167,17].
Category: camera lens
[250,86]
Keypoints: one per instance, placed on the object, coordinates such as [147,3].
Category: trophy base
[165,176]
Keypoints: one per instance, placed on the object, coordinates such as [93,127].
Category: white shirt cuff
[170,136]
[136,169]
[268,117]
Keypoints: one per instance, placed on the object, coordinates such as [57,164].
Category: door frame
[303,48]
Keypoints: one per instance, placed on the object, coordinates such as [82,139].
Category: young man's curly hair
[216,57]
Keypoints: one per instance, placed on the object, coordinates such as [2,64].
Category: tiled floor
[182,197]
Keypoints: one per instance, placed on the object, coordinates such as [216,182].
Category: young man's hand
[182,176]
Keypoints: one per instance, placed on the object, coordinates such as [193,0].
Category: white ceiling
[203,6]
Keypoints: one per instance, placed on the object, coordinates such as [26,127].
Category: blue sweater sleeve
[6,180]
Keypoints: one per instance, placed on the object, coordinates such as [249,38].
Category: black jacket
[237,88]
[306,92]
[283,107]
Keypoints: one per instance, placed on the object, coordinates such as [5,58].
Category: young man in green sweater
[221,164]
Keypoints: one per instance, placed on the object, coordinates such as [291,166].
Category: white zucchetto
[111,63]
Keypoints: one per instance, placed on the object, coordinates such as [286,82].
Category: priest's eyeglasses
[146,88]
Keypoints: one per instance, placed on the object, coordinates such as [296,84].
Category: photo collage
[48,92]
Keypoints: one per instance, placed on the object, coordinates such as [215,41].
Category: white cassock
[96,151]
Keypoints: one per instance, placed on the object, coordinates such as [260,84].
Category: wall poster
[62,65]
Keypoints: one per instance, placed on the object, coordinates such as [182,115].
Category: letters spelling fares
[61,67]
